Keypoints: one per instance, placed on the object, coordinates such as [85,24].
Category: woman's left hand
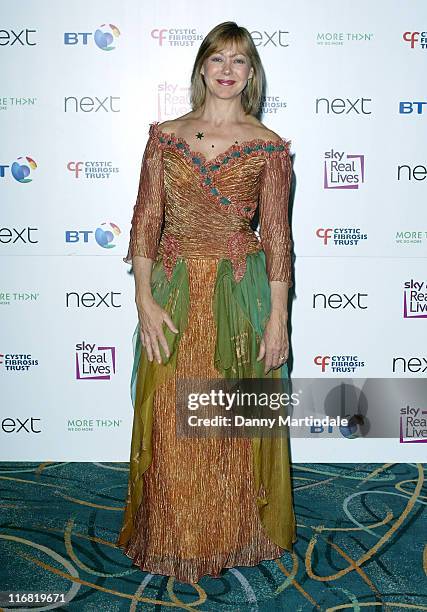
[274,345]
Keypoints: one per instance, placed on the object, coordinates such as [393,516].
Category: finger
[170,323]
[267,361]
[278,362]
[142,337]
[272,359]
[261,350]
[276,359]
[164,343]
[148,347]
[156,350]
[282,358]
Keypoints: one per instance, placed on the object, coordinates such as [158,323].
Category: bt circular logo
[354,427]
[21,171]
[104,37]
[105,235]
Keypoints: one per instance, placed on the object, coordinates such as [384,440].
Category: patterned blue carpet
[361,544]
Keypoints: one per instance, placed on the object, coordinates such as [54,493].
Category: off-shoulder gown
[197,505]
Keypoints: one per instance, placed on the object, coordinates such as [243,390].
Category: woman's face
[226,72]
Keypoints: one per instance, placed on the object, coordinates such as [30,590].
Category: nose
[226,67]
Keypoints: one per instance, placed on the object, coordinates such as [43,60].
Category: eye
[240,60]
[214,59]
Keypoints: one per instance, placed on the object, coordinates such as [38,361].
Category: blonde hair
[220,36]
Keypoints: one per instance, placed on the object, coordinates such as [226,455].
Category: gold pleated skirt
[199,512]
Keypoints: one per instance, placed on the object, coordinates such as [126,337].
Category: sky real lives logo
[95,362]
[415,299]
[413,425]
[343,170]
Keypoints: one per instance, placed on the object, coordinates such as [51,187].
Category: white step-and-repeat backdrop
[80,83]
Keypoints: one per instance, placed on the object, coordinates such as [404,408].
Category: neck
[220,113]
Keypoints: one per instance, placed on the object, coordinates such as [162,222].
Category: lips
[225,82]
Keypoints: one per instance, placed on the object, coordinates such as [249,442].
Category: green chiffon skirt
[240,309]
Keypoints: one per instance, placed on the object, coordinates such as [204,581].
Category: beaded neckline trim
[256,146]
[208,170]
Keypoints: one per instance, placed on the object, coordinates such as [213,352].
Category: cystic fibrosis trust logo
[95,363]
[343,171]
[416,39]
[341,236]
[338,363]
[12,362]
[415,299]
[92,169]
[413,425]
[177,37]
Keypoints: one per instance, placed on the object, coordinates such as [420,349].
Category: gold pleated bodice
[205,207]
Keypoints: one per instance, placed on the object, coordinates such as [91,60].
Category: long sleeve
[149,207]
[275,232]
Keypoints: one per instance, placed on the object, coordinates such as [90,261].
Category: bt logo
[20,171]
[353,429]
[408,108]
[104,235]
[103,37]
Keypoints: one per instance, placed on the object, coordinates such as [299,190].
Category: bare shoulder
[174,125]
[168,126]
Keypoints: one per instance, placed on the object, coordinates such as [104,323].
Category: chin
[221,92]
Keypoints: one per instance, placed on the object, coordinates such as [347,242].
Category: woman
[213,305]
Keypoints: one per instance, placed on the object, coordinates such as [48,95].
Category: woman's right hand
[151,318]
